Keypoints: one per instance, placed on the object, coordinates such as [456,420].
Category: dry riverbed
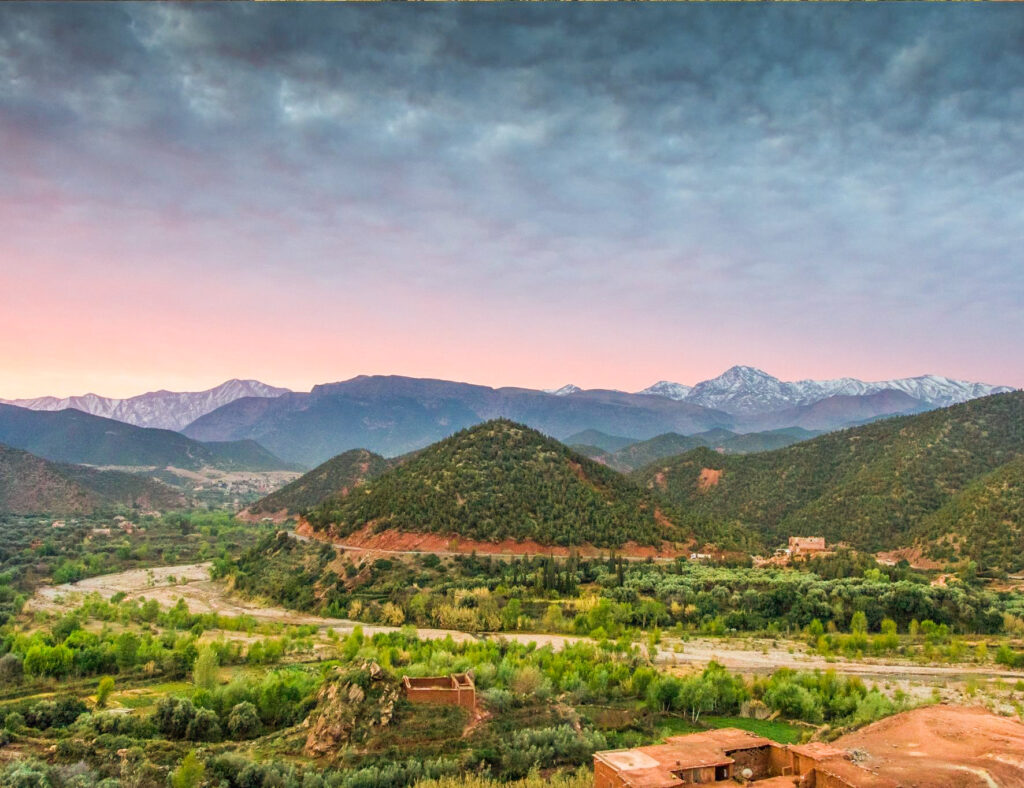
[192,583]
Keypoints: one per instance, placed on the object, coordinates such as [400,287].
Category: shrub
[244,721]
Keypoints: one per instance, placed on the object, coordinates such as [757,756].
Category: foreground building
[930,747]
[731,755]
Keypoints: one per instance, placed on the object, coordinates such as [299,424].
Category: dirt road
[192,583]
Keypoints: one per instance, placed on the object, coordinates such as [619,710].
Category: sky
[508,194]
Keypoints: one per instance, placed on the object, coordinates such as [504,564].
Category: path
[192,583]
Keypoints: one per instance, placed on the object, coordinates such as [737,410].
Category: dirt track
[192,583]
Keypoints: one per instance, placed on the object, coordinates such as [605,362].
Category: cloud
[682,164]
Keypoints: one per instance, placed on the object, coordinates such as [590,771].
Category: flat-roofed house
[456,689]
[693,759]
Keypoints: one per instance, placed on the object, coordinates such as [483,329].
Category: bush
[11,669]
[244,721]
[204,726]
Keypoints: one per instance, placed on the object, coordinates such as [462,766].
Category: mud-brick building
[695,759]
[456,689]
[731,756]
[807,545]
[927,747]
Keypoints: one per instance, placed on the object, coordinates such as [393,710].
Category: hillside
[501,480]
[76,437]
[598,439]
[872,486]
[641,453]
[32,485]
[986,521]
[336,477]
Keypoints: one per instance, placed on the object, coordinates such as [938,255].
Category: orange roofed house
[735,756]
[457,689]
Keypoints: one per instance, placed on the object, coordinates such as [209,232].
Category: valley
[259,621]
[203,595]
[511,395]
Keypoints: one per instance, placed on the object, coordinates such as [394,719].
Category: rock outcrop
[350,703]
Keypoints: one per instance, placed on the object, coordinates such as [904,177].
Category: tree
[859,623]
[190,772]
[244,721]
[103,690]
[126,649]
[204,672]
[11,669]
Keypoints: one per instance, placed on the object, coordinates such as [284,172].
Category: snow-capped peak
[746,390]
[568,388]
[666,388]
[171,410]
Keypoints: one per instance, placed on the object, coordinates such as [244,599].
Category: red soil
[943,747]
[394,541]
[914,555]
[275,517]
[709,477]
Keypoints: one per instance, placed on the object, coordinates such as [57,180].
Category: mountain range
[745,390]
[168,410]
[393,415]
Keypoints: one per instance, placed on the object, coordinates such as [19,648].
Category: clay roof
[656,766]
[817,750]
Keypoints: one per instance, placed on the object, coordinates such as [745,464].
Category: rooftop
[656,766]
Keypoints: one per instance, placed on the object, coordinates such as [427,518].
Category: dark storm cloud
[813,163]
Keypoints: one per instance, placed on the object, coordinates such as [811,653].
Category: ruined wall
[443,696]
[757,759]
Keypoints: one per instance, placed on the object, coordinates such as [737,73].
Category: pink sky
[76,321]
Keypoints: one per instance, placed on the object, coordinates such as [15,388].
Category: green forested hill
[641,453]
[336,477]
[985,520]
[599,440]
[503,480]
[871,486]
[77,437]
[32,485]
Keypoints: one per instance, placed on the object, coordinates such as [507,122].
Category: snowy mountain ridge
[744,390]
[169,410]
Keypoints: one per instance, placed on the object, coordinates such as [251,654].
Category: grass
[776,730]
[676,726]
